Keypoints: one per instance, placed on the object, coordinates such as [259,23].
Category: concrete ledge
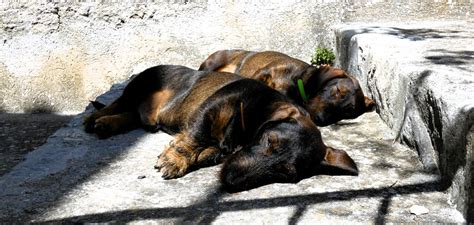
[421,77]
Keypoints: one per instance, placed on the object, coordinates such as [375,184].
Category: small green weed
[323,56]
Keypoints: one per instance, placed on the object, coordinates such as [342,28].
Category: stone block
[420,75]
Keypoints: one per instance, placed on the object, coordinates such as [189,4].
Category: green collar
[302,92]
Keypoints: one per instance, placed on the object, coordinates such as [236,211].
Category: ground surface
[75,177]
[22,133]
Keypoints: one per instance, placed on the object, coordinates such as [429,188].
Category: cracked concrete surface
[76,177]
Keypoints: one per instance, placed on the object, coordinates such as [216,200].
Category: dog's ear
[369,104]
[264,76]
[284,112]
[339,162]
[315,78]
[97,105]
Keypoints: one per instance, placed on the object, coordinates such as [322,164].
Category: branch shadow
[459,59]
[383,209]
[422,34]
[415,34]
[206,211]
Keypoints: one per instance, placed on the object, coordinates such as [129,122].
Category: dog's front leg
[178,157]
[209,157]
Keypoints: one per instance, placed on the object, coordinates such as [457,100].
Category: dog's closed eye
[271,142]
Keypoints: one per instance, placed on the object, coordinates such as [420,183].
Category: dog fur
[333,94]
[260,134]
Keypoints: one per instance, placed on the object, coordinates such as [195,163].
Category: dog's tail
[97,105]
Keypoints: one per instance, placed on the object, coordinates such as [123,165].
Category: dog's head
[334,95]
[286,149]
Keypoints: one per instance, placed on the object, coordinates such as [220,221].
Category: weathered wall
[57,55]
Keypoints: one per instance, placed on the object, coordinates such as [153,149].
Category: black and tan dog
[261,136]
[332,94]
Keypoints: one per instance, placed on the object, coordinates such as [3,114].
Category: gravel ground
[22,133]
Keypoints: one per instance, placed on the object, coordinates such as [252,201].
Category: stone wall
[58,55]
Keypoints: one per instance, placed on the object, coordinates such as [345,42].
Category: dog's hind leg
[109,125]
[151,107]
[89,121]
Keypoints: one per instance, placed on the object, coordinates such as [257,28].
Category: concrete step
[76,177]
[421,76]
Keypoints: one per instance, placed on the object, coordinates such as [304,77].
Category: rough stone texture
[57,55]
[421,78]
[75,177]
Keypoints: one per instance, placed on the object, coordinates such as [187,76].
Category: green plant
[323,56]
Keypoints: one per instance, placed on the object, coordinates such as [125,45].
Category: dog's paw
[152,128]
[103,128]
[89,123]
[209,157]
[171,164]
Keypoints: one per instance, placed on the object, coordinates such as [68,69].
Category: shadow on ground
[462,60]
[213,207]
[54,170]
[23,132]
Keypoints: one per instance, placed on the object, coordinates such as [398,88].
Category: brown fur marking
[230,68]
[316,105]
[208,156]
[150,108]
[273,143]
[220,121]
[203,89]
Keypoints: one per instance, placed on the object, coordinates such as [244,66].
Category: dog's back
[247,63]
[160,97]
[328,93]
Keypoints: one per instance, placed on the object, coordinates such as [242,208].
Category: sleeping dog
[261,136]
[332,94]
